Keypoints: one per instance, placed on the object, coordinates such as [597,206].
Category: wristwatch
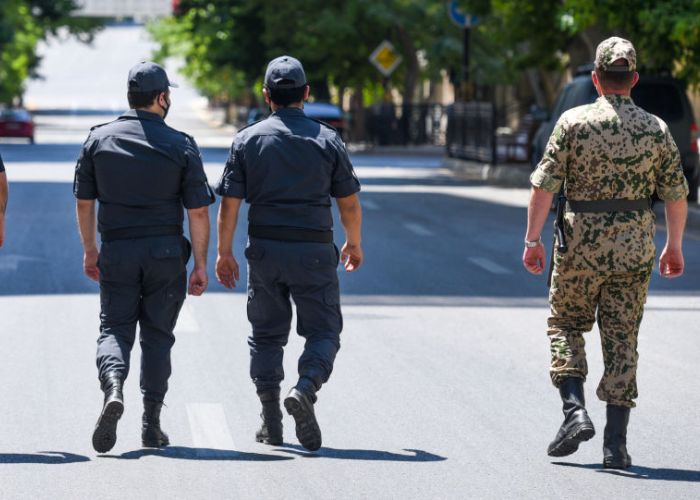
[533,244]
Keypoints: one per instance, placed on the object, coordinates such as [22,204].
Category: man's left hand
[535,259]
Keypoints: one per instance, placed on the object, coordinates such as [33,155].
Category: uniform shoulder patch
[187,136]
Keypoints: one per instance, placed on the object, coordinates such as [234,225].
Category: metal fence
[387,124]
[471,131]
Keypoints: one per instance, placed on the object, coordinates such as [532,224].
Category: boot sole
[609,464]
[105,435]
[571,442]
[270,441]
[155,444]
[307,429]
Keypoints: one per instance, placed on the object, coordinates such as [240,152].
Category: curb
[518,175]
[506,175]
[360,148]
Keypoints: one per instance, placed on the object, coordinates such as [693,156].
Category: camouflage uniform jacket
[610,149]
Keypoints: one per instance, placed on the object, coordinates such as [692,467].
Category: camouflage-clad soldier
[609,156]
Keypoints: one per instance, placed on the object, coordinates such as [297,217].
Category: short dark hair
[285,97]
[615,80]
[142,99]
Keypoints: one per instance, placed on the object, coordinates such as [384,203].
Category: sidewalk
[409,150]
[506,174]
[518,175]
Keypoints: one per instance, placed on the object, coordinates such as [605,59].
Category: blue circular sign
[459,17]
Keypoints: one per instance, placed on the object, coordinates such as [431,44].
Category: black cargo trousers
[306,272]
[144,281]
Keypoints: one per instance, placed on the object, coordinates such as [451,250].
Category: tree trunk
[410,82]
[358,131]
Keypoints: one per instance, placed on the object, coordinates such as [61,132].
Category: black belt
[282,233]
[129,233]
[601,206]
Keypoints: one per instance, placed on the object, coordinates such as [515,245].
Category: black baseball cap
[285,72]
[148,76]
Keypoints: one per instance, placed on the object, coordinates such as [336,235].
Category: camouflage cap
[611,50]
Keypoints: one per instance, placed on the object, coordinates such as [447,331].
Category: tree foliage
[23,23]
[226,44]
[541,34]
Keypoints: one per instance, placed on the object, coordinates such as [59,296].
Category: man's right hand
[351,256]
[535,259]
[90,264]
[198,281]
[227,272]
[671,263]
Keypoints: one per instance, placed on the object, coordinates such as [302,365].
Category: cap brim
[173,84]
[619,69]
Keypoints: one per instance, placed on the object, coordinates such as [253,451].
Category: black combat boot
[577,427]
[270,431]
[151,434]
[615,438]
[105,435]
[300,405]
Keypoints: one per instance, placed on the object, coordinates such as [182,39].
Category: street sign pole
[465,54]
[465,21]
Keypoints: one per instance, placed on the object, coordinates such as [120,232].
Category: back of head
[616,64]
[285,81]
[145,82]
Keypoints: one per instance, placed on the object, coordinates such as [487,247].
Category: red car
[16,122]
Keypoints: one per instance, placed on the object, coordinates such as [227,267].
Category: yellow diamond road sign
[385,58]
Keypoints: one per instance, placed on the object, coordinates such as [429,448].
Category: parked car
[326,112]
[663,96]
[16,122]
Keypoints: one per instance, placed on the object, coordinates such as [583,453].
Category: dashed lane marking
[418,229]
[370,205]
[209,427]
[186,322]
[489,265]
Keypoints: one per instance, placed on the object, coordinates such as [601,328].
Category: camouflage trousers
[616,300]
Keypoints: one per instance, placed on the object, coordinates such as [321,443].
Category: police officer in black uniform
[3,201]
[287,167]
[142,172]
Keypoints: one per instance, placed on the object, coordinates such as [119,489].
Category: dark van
[660,95]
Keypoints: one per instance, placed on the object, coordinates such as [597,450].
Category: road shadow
[187,453]
[369,455]
[641,472]
[42,457]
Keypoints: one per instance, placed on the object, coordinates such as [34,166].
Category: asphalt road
[440,389]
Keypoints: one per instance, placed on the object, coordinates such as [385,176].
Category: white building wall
[125,8]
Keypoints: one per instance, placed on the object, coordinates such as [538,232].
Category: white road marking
[12,261]
[369,205]
[418,229]
[186,322]
[209,427]
[489,265]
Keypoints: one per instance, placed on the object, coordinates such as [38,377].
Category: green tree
[23,23]
[545,37]
[333,38]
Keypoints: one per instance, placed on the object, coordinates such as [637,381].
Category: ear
[596,82]
[635,79]
[266,95]
[307,90]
